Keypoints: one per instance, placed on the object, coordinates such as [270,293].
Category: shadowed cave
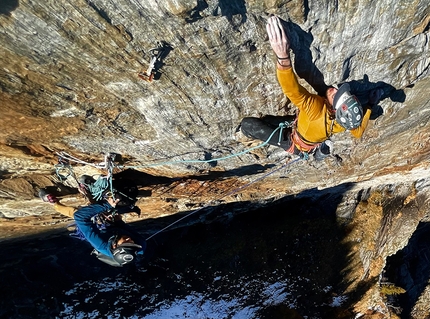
[297,238]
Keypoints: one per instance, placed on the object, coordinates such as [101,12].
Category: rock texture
[69,72]
[69,82]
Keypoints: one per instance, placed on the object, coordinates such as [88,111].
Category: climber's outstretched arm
[279,41]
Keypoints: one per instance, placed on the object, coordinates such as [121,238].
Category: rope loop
[282,126]
[99,187]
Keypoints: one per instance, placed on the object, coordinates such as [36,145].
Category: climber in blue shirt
[100,223]
[115,239]
[112,239]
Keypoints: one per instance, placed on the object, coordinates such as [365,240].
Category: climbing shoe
[46,197]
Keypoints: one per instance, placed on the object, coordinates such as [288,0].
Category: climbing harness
[102,221]
[304,146]
[300,143]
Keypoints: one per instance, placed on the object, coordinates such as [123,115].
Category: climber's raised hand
[278,37]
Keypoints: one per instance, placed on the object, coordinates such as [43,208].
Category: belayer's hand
[278,38]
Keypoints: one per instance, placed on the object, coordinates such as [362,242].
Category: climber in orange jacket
[318,117]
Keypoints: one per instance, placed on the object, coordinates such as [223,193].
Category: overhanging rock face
[70,73]
[69,81]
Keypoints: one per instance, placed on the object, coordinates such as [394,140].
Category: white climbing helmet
[124,253]
[349,112]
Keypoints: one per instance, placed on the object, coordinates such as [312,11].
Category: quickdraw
[157,55]
[63,169]
[103,184]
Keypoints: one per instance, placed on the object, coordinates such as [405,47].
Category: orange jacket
[313,122]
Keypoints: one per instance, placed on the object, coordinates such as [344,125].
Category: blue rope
[101,185]
[98,189]
[281,127]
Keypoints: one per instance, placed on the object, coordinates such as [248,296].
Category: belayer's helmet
[349,112]
[124,253]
